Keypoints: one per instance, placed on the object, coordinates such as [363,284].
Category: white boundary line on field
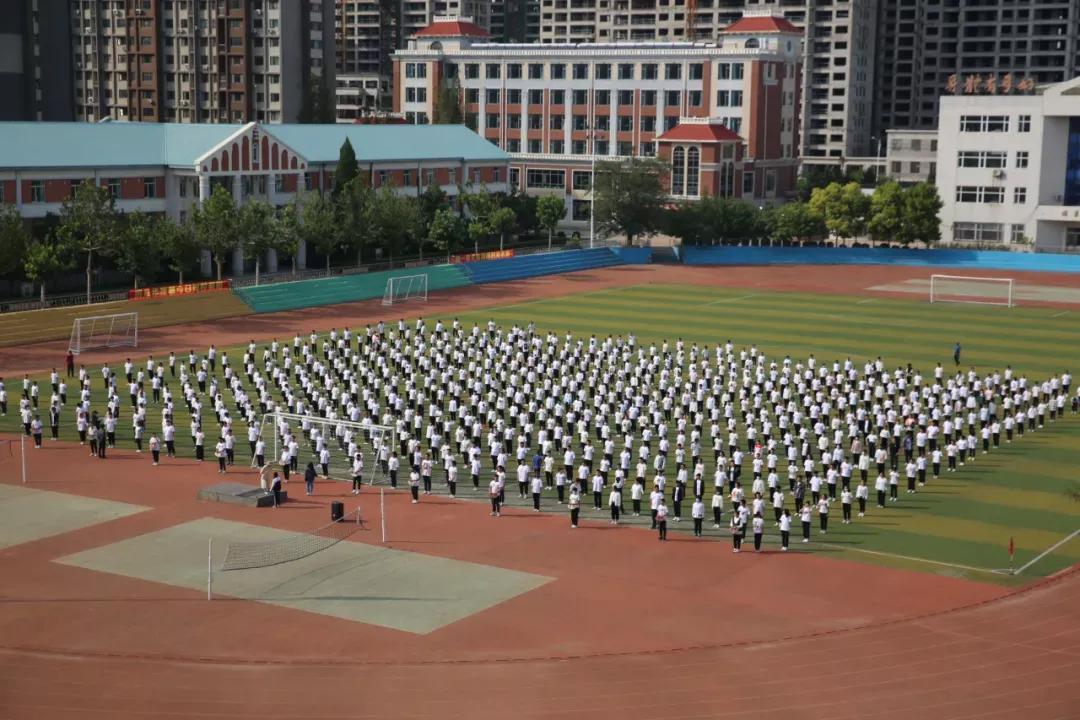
[922,560]
[1047,551]
[731,300]
[550,299]
[867,300]
[1063,312]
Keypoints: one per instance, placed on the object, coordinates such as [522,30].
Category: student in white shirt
[537,487]
[219,453]
[357,474]
[785,530]
[823,514]
[655,497]
[737,528]
[661,519]
[574,505]
[845,504]
[717,506]
[637,491]
[758,524]
[804,518]
[414,486]
[615,503]
[493,492]
[451,477]
[697,514]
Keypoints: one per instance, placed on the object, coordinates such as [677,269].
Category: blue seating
[526,266]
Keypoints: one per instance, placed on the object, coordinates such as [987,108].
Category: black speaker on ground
[337,511]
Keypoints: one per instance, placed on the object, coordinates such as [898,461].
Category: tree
[287,232]
[886,212]
[88,225]
[501,222]
[396,220]
[217,225]
[843,207]
[524,207]
[448,105]
[353,211]
[180,246]
[921,209]
[798,221]
[432,200]
[629,197]
[481,206]
[817,176]
[346,169]
[14,239]
[139,247]
[447,231]
[257,233]
[44,259]
[319,225]
[550,210]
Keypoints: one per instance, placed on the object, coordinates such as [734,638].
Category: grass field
[959,525]
[55,323]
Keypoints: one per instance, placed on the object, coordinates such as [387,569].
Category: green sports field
[960,524]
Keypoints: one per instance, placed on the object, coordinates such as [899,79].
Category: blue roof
[111,144]
[378,143]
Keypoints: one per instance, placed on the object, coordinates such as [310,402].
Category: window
[472,96]
[693,162]
[430,174]
[580,122]
[1019,195]
[678,171]
[556,122]
[472,71]
[694,98]
[580,97]
[979,194]
[603,71]
[513,146]
[672,97]
[1017,234]
[626,97]
[514,176]
[626,123]
[513,121]
[513,71]
[602,97]
[513,96]
[894,167]
[555,147]
[492,97]
[672,71]
[648,98]
[558,97]
[696,71]
[648,149]
[648,123]
[37,190]
[736,98]
[536,97]
[581,71]
[600,147]
[534,147]
[748,184]
[581,210]
[537,178]
[626,71]
[492,71]
[581,180]
[602,122]
[915,168]
[150,187]
[577,147]
[1023,123]
[649,71]
[114,188]
[536,71]
[980,159]
[1022,159]
[977,232]
[624,148]
[536,122]
[384,177]
[984,123]
[410,94]
[407,178]
[723,98]
[558,71]
[492,121]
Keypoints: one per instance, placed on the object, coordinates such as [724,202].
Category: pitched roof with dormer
[453,27]
[757,24]
[699,130]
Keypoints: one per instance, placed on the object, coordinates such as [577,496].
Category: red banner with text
[166,291]
[486,255]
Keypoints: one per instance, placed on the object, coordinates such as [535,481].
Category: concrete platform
[239,494]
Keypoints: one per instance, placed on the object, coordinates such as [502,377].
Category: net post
[209,568]
[136,323]
[22,454]
[382,513]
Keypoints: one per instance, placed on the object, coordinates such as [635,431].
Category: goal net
[404,288]
[342,439]
[968,289]
[104,331]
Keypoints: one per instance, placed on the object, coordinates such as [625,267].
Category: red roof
[700,132]
[453,28]
[762,24]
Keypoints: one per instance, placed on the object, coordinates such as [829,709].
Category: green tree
[817,176]
[629,197]
[87,226]
[447,231]
[843,207]
[432,200]
[481,206]
[922,207]
[525,210]
[886,212]
[139,247]
[354,215]
[396,219]
[319,225]
[257,232]
[217,225]
[45,258]
[448,105]
[347,167]
[796,221]
[501,222]
[181,247]
[14,239]
[550,210]
[287,232]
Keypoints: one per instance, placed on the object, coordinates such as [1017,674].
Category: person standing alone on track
[956,354]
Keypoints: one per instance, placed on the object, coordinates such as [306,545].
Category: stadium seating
[527,266]
[343,288]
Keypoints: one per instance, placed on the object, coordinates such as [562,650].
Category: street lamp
[591,134]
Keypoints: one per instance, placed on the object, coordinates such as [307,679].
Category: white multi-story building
[1009,168]
[911,156]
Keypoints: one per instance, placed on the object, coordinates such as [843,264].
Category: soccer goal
[337,436]
[104,331]
[968,289]
[404,288]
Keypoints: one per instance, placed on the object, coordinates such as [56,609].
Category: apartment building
[198,60]
[1008,168]
[556,107]
[35,53]
[924,45]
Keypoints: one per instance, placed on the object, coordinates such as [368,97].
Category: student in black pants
[661,521]
[736,533]
[785,529]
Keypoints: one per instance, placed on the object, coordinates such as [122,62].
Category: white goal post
[404,288]
[970,289]
[104,331]
[337,434]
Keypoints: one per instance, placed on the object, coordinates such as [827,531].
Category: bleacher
[527,266]
[344,288]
